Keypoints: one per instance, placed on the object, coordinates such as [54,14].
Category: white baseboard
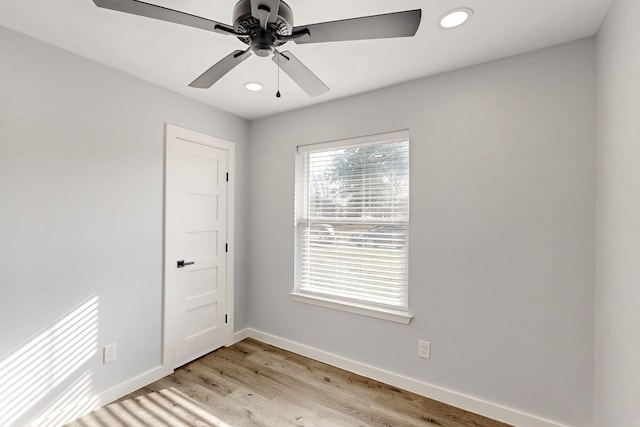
[117,392]
[133,384]
[459,400]
[240,335]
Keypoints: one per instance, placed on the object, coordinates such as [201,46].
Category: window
[352,217]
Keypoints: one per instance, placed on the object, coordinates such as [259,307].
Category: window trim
[380,138]
[400,315]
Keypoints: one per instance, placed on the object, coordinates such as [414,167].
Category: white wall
[502,236]
[502,239]
[617,367]
[81,215]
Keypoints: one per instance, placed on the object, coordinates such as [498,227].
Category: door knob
[182,264]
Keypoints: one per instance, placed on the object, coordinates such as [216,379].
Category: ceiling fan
[265,25]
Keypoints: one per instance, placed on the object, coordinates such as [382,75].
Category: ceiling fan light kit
[265,25]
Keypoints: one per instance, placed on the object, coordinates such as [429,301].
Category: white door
[196,244]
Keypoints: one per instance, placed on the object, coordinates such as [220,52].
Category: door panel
[197,210]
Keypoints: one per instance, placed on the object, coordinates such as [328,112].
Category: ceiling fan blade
[399,24]
[300,74]
[265,10]
[222,67]
[136,7]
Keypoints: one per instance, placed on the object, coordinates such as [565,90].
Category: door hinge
[226,318]
[226,247]
[227,176]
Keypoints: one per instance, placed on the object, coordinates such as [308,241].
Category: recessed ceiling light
[253,86]
[456,17]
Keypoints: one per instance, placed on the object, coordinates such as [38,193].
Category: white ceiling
[172,56]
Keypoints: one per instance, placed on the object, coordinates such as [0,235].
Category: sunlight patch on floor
[166,407]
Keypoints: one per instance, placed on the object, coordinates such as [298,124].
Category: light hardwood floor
[255,384]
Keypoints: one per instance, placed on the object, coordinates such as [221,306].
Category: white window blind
[352,216]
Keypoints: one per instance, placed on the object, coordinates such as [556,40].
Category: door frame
[174,132]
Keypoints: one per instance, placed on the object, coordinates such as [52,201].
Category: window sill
[361,309]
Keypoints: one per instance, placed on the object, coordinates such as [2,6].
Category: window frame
[352,305]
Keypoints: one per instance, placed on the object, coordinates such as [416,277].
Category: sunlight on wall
[33,371]
[76,400]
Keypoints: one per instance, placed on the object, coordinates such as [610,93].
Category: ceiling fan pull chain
[278,56]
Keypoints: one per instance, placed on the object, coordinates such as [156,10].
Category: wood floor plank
[271,383]
[324,377]
[252,384]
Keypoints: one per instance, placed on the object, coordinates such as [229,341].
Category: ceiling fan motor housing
[262,41]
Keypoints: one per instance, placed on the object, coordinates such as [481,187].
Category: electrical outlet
[110,353]
[424,349]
